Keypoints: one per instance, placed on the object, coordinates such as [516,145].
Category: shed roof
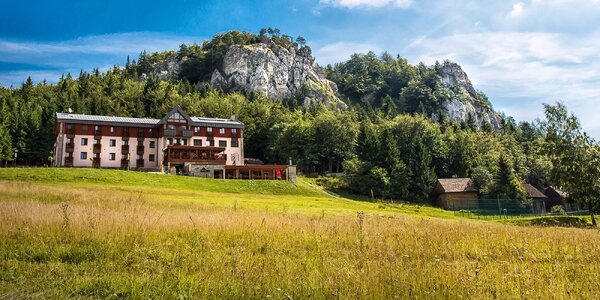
[532,192]
[457,185]
[555,193]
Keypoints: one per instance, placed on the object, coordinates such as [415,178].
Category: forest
[384,143]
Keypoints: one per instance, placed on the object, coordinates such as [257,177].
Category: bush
[330,183]
[558,209]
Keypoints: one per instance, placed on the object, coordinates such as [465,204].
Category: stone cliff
[465,101]
[276,72]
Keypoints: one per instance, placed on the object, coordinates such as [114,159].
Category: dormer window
[221,130]
[209,129]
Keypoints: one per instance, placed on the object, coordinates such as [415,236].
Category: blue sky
[520,53]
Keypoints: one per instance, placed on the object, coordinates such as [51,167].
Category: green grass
[81,233]
[249,194]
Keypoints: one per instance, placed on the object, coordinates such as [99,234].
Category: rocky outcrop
[165,70]
[276,72]
[465,101]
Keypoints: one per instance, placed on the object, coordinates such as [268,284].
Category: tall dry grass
[66,242]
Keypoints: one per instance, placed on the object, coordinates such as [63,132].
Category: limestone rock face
[465,101]
[277,73]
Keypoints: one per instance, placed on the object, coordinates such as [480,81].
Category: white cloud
[341,51]
[517,9]
[121,44]
[366,3]
[523,70]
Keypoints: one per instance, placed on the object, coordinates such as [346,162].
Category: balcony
[139,163]
[97,148]
[179,154]
[140,134]
[124,148]
[124,163]
[140,150]
[97,134]
[96,162]
[178,132]
[70,133]
[70,147]
[69,161]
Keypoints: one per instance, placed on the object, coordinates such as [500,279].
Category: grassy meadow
[82,233]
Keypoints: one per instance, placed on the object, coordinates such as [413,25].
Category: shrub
[558,209]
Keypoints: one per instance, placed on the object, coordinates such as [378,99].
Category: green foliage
[574,156]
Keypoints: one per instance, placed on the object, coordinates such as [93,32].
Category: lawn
[82,233]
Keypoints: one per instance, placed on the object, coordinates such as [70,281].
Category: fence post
[499,208]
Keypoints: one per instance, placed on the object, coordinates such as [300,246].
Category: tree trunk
[593,218]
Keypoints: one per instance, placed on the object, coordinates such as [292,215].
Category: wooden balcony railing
[140,150]
[177,154]
[96,162]
[97,148]
[69,161]
[139,163]
[124,148]
[70,147]
[177,132]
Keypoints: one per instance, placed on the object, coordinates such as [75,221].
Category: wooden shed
[456,193]
[539,199]
[558,197]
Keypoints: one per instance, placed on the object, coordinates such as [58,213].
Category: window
[182,127]
[233,131]
[208,129]
[83,155]
[171,126]
[112,129]
[112,156]
[84,141]
[152,144]
[123,156]
[196,129]
[197,142]
[125,143]
[176,118]
[112,143]
[235,143]
[84,127]
[170,141]
[151,157]
[97,127]
[97,142]
[125,131]
[96,155]
[150,130]
[210,143]
[69,127]
[140,156]
[221,130]
[222,143]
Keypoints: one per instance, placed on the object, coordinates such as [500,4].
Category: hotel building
[176,144]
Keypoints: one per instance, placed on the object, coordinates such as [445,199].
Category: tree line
[385,143]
